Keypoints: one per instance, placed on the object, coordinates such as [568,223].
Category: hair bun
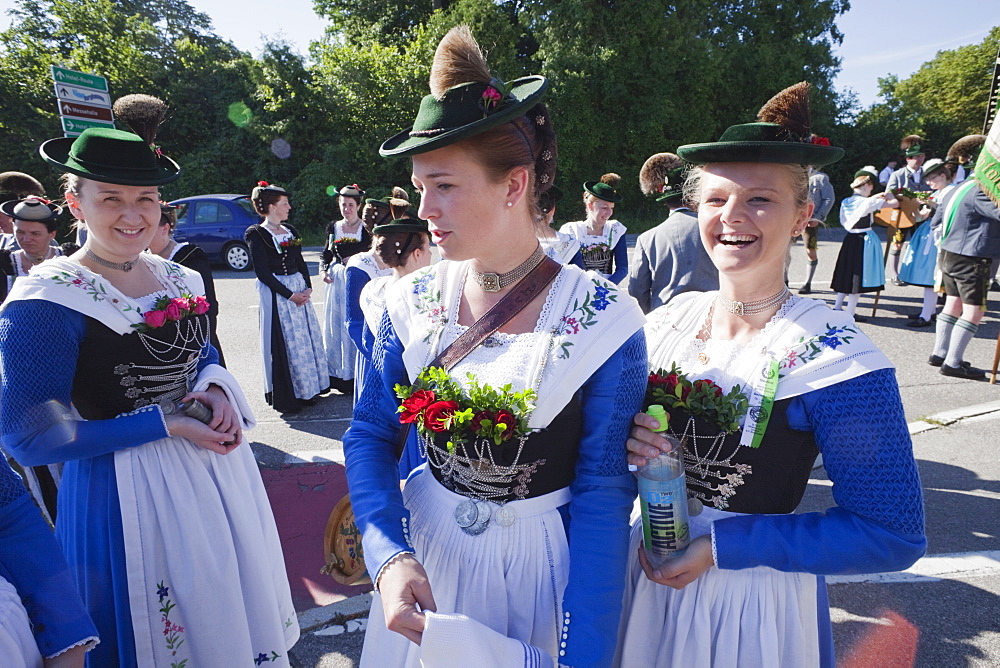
[611,179]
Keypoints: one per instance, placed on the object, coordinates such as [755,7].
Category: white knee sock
[930,304]
[852,302]
[840,301]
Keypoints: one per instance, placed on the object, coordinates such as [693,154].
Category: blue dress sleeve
[878,522]
[34,416]
[621,262]
[30,559]
[356,280]
[603,493]
[370,458]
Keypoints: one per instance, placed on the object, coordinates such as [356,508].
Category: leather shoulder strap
[502,312]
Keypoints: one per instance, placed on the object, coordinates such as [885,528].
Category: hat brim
[56,153]
[7,208]
[666,197]
[790,153]
[527,90]
[400,227]
[589,187]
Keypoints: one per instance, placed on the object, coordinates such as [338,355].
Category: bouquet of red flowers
[436,403]
[700,398]
[167,309]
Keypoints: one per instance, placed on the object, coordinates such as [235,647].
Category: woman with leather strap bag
[525,496]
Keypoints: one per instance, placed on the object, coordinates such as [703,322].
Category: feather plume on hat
[656,171]
[909,141]
[143,114]
[789,109]
[966,149]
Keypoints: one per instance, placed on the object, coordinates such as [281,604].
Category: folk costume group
[489,552]
[522,548]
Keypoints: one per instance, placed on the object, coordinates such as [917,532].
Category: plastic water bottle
[663,499]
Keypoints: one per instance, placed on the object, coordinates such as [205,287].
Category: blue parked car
[216,223]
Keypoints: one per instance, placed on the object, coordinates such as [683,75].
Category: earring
[510,204]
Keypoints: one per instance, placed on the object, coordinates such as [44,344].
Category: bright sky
[880,36]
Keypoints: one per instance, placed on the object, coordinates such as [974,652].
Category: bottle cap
[656,411]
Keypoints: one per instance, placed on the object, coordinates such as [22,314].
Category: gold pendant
[702,359]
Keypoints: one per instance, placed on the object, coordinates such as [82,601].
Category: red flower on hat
[820,141]
[491,98]
[263,184]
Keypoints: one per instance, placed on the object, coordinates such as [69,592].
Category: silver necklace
[754,307]
[496,282]
[119,266]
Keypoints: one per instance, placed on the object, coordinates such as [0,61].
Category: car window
[212,212]
[248,206]
[182,211]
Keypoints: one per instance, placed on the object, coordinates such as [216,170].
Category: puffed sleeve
[603,493]
[30,559]
[878,522]
[370,458]
[261,268]
[34,415]
[356,280]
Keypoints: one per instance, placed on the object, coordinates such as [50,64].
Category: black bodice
[768,479]
[339,253]
[117,374]
[546,463]
[284,263]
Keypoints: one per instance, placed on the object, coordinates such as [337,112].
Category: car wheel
[237,256]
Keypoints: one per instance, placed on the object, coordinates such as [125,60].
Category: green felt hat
[464,111]
[603,191]
[409,223]
[31,209]
[914,150]
[934,165]
[865,173]
[761,142]
[673,185]
[111,156]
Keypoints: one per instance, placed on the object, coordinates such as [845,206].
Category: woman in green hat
[859,265]
[403,244]
[601,238]
[363,268]
[345,238]
[162,516]
[489,553]
[559,246]
[760,381]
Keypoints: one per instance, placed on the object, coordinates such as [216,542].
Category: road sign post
[83,100]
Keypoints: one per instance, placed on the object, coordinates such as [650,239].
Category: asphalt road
[946,613]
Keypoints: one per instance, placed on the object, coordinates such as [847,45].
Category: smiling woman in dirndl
[749,589]
[162,517]
[489,554]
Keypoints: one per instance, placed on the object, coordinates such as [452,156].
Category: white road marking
[933,568]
